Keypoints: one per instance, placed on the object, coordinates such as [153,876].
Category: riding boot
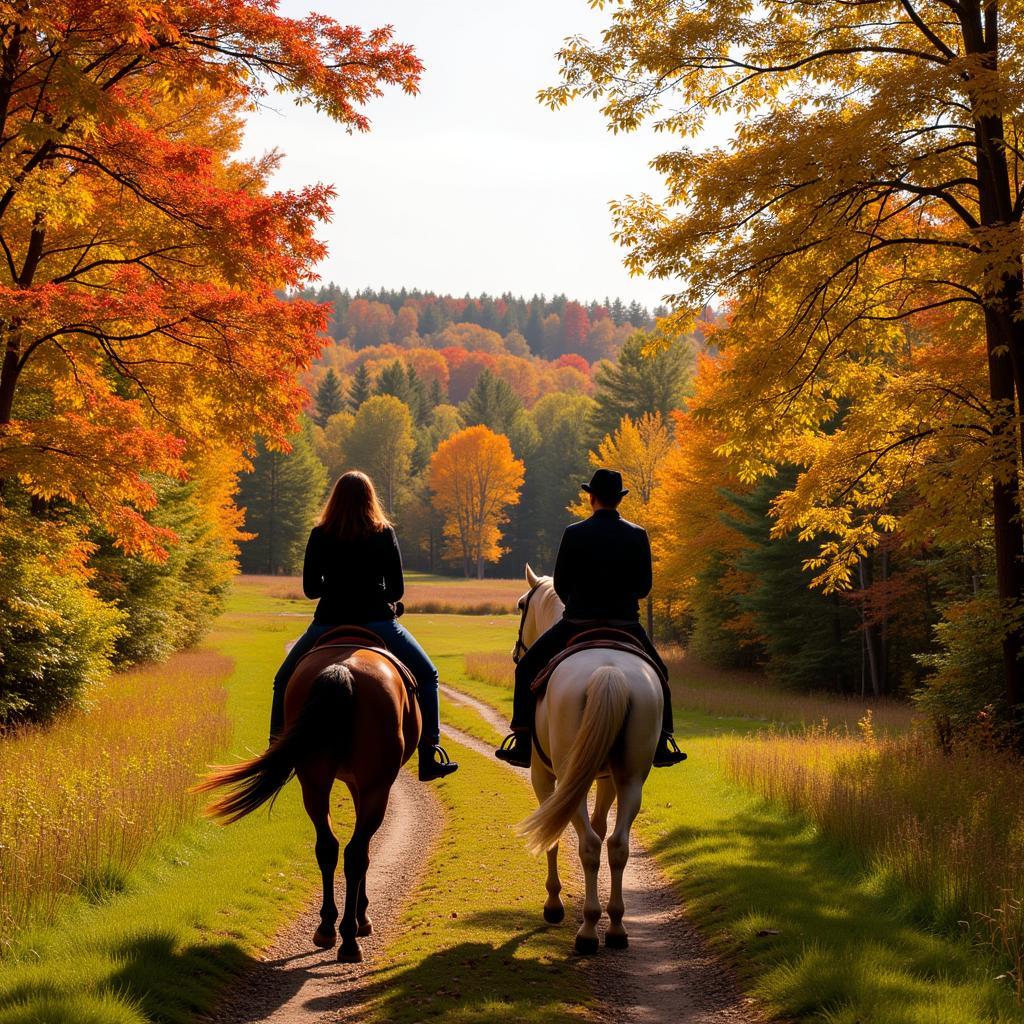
[667,753]
[434,762]
[516,749]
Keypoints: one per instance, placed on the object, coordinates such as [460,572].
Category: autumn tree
[380,443]
[475,479]
[638,451]
[875,140]
[142,261]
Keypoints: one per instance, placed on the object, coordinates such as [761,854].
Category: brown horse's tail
[325,723]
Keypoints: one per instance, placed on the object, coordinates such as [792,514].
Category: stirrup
[671,754]
[435,763]
[511,753]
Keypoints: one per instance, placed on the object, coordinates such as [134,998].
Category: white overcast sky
[472,185]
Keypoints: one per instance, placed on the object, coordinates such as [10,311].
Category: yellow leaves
[475,478]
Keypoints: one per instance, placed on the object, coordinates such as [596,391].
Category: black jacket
[603,568]
[357,581]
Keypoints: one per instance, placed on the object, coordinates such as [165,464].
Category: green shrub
[965,689]
[56,634]
[167,605]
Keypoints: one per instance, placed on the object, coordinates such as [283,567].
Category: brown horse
[348,716]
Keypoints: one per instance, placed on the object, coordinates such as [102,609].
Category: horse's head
[539,608]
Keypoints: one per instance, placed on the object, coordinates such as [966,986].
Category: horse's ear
[531,577]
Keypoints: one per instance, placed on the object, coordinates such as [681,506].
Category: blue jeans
[400,642]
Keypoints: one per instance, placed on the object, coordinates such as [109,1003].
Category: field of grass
[83,799]
[734,694]
[188,918]
[815,931]
[812,927]
[424,593]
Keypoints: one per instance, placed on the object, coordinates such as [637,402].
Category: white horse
[600,718]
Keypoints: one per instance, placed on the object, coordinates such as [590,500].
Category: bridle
[521,648]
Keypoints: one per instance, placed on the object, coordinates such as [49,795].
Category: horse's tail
[325,723]
[607,704]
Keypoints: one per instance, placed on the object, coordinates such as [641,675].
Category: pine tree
[810,638]
[329,399]
[432,319]
[281,497]
[636,384]
[493,403]
[534,330]
[360,388]
[618,312]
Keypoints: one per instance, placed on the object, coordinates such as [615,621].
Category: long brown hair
[353,510]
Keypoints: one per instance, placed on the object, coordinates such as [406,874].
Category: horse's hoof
[366,928]
[615,941]
[554,915]
[586,946]
[350,955]
[324,939]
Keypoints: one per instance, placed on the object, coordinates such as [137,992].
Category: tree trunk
[650,616]
[869,642]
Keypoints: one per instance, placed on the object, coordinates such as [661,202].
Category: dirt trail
[296,983]
[668,973]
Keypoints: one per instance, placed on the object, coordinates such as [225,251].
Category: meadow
[790,876]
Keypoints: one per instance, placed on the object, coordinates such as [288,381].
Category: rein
[520,648]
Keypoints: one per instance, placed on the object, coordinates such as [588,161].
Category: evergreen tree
[618,312]
[360,388]
[281,497]
[329,399]
[493,403]
[636,384]
[435,396]
[534,330]
[432,319]
[810,638]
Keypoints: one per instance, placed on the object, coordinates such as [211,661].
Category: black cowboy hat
[605,485]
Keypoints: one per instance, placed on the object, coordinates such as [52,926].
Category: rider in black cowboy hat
[602,571]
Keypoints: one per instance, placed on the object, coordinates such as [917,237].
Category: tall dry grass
[81,800]
[699,687]
[736,694]
[945,829]
[490,667]
[428,595]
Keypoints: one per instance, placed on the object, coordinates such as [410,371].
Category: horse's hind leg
[629,796]
[602,805]
[590,858]
[316,796]
[372,805]
[544,785]
[364,926]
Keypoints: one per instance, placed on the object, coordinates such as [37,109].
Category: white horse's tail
[607,703]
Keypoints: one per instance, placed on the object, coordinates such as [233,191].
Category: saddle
[359,638]
[605,638]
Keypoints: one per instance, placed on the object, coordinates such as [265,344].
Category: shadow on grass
[472,980]
[153,980]
[813,936]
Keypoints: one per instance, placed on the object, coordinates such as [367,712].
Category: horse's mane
[546,600]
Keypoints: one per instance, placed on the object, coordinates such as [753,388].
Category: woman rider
[354,567]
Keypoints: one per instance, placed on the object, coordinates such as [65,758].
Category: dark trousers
[555,640]
[400,642]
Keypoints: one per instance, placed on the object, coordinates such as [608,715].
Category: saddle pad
[357,638]
[604,639]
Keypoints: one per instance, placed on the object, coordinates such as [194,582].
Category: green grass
[813,936]
[473,945]
[192,915]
